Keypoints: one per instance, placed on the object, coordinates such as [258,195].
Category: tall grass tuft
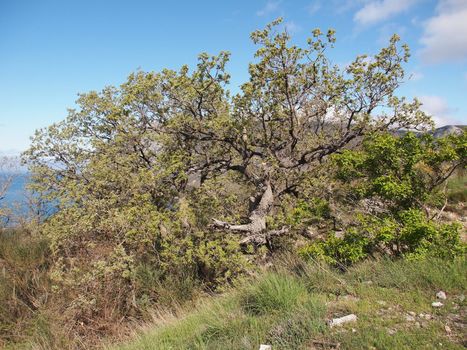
[273,293]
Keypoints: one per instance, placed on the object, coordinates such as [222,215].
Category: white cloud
[439,109]
[292,27]
[313,7]
[270,7]
[445,35]
[380,10]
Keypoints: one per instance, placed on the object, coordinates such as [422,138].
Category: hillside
[289,308]
[239,220]
[440,131]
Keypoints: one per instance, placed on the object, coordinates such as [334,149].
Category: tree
[295,111]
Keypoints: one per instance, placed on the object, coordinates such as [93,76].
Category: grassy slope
[288,308]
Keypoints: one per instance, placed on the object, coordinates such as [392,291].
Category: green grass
[457,188]
[288,308]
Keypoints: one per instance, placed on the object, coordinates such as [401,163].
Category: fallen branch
[263,238]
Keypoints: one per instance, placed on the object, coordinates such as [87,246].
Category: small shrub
[349,249]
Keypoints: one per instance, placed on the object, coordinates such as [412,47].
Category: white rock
[425,316]
[441,295]
[447,329]
[342,320]
[265,347]
[409,318]
[436,304]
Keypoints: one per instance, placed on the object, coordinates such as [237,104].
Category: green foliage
[343,251]
[402,171]
[307,212]
[410,234]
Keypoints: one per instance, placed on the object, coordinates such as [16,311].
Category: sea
[16,197]
[17,191]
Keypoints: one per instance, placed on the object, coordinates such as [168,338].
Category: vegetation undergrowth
[289,307]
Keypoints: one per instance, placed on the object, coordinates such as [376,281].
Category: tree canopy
[151,134]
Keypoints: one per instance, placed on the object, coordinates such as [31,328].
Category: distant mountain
[438,132]
[449,130]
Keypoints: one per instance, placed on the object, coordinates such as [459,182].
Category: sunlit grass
[288,308]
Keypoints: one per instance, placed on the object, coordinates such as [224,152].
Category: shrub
[408,234]
[349,249]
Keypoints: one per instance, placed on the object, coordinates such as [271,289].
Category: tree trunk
[257,216]
[255,231]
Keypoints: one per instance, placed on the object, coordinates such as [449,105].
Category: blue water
[17,192]
[18,199]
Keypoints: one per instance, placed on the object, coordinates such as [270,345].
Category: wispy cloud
[379,10]
[439,109]
[270,7]
[292,27]
[444,38]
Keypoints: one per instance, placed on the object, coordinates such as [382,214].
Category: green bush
[349,249]
[402,175]
[409,234]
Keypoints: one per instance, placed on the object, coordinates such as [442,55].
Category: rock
[417,324]
[437,304]
[265,347]
[441,295]
[425,316]
[411,313]
[409,318]
[391,331]
[349,297]
[341,320]
[447,329]
[461,298]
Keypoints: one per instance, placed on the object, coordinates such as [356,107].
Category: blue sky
[51,50]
